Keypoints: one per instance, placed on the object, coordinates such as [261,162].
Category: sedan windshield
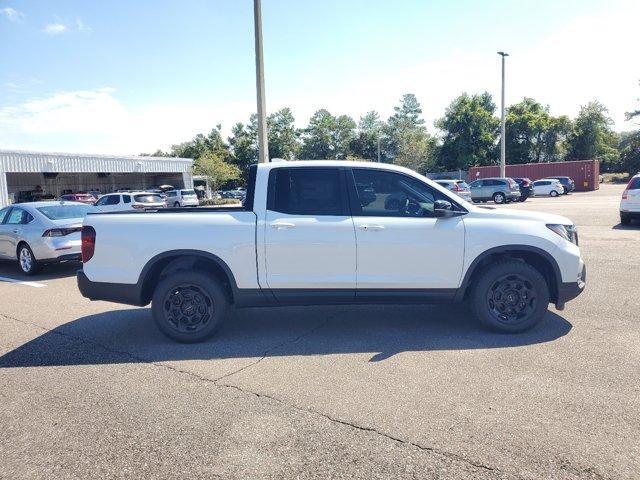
[62,212]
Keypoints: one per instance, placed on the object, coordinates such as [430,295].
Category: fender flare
[505,249]
[149,266]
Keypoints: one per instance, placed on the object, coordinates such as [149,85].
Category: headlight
[568,232]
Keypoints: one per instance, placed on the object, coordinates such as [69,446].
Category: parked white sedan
[547,187]
[38,233]
[121,202]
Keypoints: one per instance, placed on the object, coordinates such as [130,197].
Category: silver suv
[500,190]
[459,187]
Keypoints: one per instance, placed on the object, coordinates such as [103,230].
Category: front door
[401,245]
[10,231]
[309,237]
[4,233]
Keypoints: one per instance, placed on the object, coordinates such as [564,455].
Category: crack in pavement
[216,383]
[276,347]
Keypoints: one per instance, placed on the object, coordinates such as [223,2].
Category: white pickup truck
[326,232]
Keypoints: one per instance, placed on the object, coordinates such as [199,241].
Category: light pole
[503,150]
[263,143]
[378,147]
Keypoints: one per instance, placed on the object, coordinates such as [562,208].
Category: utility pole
[378,147]
[263,142]
[503,149]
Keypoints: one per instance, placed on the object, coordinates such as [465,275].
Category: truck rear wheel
[510,296]
[189,306]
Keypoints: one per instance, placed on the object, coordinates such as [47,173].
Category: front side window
[126,198]
[306,191]
[3,213]
[390,194]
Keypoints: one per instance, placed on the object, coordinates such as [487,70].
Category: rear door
[401,245]
[309,236]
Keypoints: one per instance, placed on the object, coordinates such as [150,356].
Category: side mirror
[444,209]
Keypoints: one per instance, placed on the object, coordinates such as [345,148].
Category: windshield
[62,212]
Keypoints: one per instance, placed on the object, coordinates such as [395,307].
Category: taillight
[88,236]
[626,190]
[60,232]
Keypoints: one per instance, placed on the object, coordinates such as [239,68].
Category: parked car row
[505,190]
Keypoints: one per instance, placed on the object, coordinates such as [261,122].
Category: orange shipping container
[585,173]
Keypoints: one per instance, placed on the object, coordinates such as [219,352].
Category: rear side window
[3,213]
[171,194]
[126,198]
[147,198]
[634,184]
[306,191]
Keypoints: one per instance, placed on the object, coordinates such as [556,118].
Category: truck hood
[508,214]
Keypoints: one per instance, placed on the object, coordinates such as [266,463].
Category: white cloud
[12,14]
[96,121]
[55,28]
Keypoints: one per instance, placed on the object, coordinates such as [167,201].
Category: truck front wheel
[189,306]
[510,296]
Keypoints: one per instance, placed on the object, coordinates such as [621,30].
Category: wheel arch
[534,256]
[176,260]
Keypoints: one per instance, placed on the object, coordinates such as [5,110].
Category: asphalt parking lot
[91,389]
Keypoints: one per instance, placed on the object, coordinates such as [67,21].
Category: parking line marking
[21,282]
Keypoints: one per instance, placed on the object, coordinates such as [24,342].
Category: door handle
[282,225]
[371,228]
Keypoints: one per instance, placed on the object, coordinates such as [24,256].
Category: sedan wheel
[27,261]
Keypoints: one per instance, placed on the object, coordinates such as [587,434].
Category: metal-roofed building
[54,174]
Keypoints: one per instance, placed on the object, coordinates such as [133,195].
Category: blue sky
[127,77]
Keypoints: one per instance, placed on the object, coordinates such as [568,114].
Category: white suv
[121,202]
[548,186]
[182,198]
[630,203]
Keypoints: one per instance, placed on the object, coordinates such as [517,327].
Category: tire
[27,260]
[499,198]
[176,205]
[553,193]
[522,199]
[510,296]
[198,298]
[625,219]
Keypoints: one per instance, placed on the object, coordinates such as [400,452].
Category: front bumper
[569,290]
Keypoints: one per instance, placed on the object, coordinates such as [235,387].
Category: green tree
[327,137]
[630,152]
[593,138]
[217,171]
[282,135]
[244,145]
[417,150]
[365,144]
[407,118]
[470,132]
[200,144]
[532,134]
